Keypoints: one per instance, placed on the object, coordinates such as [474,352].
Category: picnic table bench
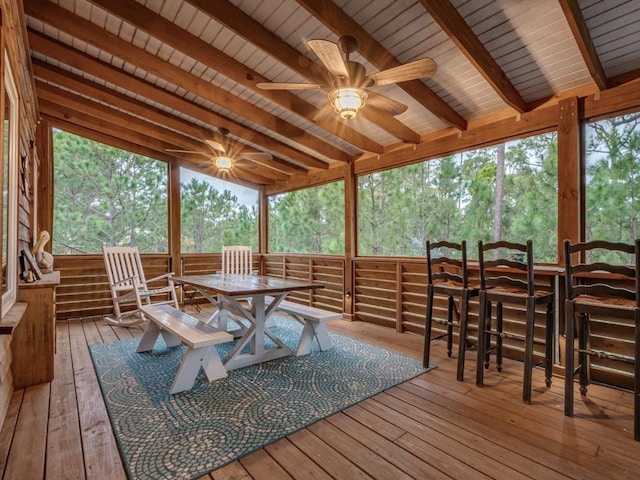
[177,328]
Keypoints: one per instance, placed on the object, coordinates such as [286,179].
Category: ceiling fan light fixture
[347,101]
[224,164]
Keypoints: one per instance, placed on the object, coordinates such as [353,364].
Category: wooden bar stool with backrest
[448,276]
[600,289]
[501,283]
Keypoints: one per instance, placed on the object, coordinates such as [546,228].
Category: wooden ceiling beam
[125,103]
[115,99]
[83,62]
[86,31]
[99,130]
[75,102]
[447,16]
[578,26]
[244,26]
[67,99]
[341,24]
[167,32]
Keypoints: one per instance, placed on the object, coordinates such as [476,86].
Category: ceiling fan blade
[260,156]
[402,73]
[329,54]
[216,146]
[245,163]
[386,104]
[287,86]
[323,113]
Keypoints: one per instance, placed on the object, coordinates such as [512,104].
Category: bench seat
[177,328]
[313,320]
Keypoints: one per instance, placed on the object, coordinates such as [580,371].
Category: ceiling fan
[228,153]
[349,88]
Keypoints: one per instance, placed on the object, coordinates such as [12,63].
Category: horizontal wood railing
[388,291]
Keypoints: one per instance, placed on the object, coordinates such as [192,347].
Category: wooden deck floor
[428,428]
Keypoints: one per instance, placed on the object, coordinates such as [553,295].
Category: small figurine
[44,259]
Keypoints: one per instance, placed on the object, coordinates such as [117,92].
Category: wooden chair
[236,260]
[128,284]
[501,283]
[600,289]
[448,276]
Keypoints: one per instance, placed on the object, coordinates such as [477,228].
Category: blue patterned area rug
[183,436]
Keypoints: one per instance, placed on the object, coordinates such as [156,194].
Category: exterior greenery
[212,218]
[613,179]
[308,221]
[504,192]
[106,196]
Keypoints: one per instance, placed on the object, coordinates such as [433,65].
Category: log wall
[13,42]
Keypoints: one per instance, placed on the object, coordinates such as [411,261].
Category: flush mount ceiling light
[350,85]
[224,164]
[228,153]
[347,101]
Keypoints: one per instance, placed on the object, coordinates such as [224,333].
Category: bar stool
[449,277]
[501,283]
[598,288]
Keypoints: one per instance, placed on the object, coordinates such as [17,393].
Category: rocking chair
[128,284]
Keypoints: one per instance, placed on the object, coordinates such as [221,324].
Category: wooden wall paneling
[12,41]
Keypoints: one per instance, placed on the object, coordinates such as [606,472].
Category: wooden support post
[263,228]
[350,240]
[44,152]
[570,167]
[570,186]
[174,219]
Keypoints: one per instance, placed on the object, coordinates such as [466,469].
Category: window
[508,192]
[308,221]
[612,176]
[107,196]
[216,213]
[9,192]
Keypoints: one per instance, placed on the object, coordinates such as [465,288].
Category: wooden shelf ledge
[11,320]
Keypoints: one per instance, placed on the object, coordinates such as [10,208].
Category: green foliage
[308,221]
[105,196]
[454,199]
[612,180]
[211,219]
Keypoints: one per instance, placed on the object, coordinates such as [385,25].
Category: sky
[246,196]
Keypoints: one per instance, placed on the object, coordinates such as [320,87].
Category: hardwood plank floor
[428,428]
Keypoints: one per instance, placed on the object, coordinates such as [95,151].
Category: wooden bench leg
[310,331]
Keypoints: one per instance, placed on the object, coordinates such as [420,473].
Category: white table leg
[255,334]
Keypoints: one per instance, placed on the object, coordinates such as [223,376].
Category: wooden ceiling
[153,75]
